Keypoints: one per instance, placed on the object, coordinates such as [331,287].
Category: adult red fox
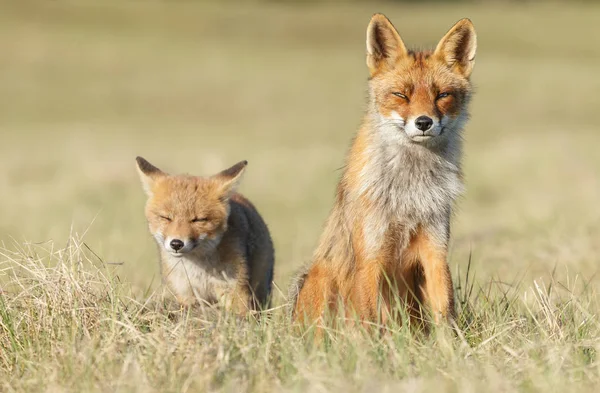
[386,238]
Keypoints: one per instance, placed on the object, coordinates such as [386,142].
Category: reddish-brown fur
[408,261]
[230,253]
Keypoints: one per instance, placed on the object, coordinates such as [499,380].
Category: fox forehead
[420,69]
[186,195]
[420,76]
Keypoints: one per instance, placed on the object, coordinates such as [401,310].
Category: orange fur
[226,254]
[380,243]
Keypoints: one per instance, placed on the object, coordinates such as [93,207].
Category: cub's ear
[384,45]
[457,48]
[148,174]
[230,178]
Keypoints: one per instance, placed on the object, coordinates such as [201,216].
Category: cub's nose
[176,244]
[423,123]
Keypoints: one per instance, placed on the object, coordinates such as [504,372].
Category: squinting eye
[397,94]
[201,219]
[443,95]
[165,218]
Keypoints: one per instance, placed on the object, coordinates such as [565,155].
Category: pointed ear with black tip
[457,48]
[148,174]
[384,45]
[230,178]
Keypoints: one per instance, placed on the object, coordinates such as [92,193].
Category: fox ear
[148,174]
[230,178]
[457,48]
[384,45]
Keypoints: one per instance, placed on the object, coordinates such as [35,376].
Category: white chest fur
[408,185]
[198,278]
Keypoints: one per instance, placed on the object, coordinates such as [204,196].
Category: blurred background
[197,86]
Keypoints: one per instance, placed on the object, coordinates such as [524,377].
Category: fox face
[422,95]
[187,213]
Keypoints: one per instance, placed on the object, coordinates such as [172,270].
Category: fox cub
[214,246]
[385,242]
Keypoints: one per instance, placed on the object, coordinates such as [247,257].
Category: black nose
[423,123]
[176,244]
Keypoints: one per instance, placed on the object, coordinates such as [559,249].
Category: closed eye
[443,95]
[165,218]
[200,219]
[398,94]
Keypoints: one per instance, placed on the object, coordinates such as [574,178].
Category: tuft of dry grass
[68,323]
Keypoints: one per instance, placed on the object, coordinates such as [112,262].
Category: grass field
[87,86]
